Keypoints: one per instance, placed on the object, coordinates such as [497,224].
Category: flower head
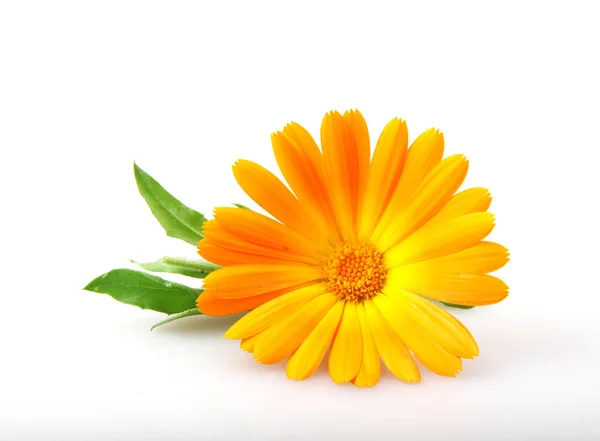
[354,254]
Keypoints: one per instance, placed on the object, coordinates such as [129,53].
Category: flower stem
[173,317]
[190,264]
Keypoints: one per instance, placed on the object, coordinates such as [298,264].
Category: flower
[357,250]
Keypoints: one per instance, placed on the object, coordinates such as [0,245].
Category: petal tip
[231,334]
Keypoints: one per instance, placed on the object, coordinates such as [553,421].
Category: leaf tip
[90,287]
[93,285]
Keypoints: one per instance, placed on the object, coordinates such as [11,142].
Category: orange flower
[356,250]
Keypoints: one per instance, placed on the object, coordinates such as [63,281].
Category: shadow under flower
[523,346]
[520,346]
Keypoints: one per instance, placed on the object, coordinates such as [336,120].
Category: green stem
[452,305]
[173,317]
[180,265]
[198,265]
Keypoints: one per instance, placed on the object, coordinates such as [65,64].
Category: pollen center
[354,271]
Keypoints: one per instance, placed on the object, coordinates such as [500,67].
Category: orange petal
[222,246]
[272,195]
[209,303]
[238,281]
[260,231]
[345,143]
[221,254]
[301,163]
[359,132]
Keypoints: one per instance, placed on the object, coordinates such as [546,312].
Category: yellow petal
[274,311]
[441,240]
[472,200]
[391,349]
[433,193]
[457,288]
[424,154]
[346,350]
[482,258]
[431,355]
[370,368]
[446,330]
[279,341]
[305,361]
[346,156]
[386,169]
[248,344]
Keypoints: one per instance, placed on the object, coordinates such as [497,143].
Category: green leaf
[173,317]
[452,305]
[178,220]
[241,206]
[180,265]
[145,290]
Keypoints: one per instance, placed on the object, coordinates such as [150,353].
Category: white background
[187,88]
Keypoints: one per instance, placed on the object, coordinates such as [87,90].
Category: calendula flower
[354,255]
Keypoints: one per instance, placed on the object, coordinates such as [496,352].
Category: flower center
[354,271]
